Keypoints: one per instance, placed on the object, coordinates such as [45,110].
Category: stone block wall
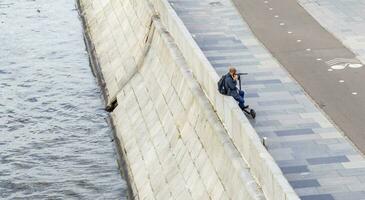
[181,138]
[175,144]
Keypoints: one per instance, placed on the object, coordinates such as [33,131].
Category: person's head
[232,70]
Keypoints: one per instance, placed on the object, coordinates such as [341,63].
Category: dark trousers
[240,99]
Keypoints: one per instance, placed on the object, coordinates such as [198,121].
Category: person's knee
[242,93]
[241,100]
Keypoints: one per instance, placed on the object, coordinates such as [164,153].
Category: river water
[55,142]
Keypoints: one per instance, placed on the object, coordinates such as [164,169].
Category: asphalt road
[304,48]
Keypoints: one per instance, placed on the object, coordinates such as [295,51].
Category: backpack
[221,85]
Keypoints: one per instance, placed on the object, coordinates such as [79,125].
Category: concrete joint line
[148,41]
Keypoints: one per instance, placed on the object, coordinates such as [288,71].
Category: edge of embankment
[93,60]
[96,70]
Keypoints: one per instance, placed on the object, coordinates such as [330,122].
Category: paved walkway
[324,67]
[316,159]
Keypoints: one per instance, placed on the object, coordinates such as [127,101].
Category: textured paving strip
[316,159]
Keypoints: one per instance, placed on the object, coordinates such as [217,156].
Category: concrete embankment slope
[168,114]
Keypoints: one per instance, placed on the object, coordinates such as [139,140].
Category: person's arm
[231,83]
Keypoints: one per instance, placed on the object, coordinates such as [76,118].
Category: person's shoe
[245,107]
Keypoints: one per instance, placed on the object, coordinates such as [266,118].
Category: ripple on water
[54,140]
[4,72]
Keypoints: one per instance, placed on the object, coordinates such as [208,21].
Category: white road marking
[355,65]
[341,60]
[354,93]
[341,81]
[337,67]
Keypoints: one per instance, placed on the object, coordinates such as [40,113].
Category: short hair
[232,70]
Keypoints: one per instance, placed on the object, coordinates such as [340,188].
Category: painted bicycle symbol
[342,63]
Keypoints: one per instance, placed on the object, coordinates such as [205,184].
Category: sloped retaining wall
[168,114]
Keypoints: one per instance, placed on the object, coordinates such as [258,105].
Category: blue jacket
[230,85]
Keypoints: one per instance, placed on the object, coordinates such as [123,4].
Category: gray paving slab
[318,197]
[318,151]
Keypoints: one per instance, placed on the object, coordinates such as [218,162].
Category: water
[55,142]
